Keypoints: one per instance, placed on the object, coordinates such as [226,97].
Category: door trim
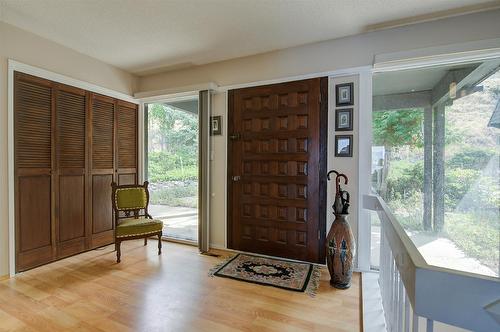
[323,151]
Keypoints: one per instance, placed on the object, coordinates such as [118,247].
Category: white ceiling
[151,35]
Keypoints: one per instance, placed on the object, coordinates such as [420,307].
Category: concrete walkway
[178,222]
[441,251]
[437,251]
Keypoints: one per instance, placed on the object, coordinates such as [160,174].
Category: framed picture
[216,125]
[343,145]
[344,94]
[343,119]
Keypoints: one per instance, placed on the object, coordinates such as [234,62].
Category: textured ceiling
[151,36]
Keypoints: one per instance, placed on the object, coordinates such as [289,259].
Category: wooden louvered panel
[33,125]
[71,129]
[127,137]
[102,134]
[62,199]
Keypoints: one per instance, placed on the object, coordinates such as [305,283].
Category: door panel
[34,212]
[71,171]
[103,169]
[71,207]
[71,110]
[102,209]
[126,121]
[275,187]
[103,109]
[35,242]
[33,113]
[124,179]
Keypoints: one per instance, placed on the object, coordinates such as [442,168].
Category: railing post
[407,313]
[430,325]
[415,322]
[400,304]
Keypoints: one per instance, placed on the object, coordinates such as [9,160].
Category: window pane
[435,160]
[172,167]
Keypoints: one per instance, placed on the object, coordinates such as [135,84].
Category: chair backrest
[130,199]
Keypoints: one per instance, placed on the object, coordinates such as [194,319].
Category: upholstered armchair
[132,220]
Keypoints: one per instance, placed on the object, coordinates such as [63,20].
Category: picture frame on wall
[343,145]
[344,94]
[343,119]
[216,125]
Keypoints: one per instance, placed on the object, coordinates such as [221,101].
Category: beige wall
[30,49]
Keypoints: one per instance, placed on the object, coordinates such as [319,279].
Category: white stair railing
[410,288]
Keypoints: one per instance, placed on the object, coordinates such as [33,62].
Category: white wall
[30,49]
[345,165]
[218,176]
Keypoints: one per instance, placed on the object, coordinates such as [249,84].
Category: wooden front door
[277,167]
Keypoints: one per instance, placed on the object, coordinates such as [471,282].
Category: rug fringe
[224,261]
[313,285]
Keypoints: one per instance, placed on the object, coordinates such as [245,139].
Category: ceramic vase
[340,252]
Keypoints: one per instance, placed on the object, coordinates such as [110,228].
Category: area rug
[284,274]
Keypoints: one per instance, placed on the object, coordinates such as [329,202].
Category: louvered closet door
[35,238]
[126,119]
[103,169]
[71,171]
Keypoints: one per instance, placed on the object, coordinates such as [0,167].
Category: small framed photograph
[343,119]
[344,94]
[343,145]
[216,125]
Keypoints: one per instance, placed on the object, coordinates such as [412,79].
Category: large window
[435,160]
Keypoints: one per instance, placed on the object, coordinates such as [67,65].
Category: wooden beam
[440,92]
[397,101]
[465,78]
[438,167]
[427,215]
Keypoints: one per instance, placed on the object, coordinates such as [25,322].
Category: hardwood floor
[171,292]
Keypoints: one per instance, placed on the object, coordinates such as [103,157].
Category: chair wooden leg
[159,244]
[145,241]
[118,250]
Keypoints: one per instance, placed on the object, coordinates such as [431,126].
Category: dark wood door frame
[322,166]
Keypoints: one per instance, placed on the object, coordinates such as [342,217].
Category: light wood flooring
[171,292]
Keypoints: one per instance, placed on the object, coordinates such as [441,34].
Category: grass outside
[174,174]
[476,235]
[175,193]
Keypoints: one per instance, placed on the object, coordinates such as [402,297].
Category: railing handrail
[450,296]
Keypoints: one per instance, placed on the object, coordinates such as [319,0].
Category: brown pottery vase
[340,252]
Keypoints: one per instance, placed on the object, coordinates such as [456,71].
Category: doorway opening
[171,166]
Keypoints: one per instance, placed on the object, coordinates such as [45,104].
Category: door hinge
[235,136]
[319,234]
